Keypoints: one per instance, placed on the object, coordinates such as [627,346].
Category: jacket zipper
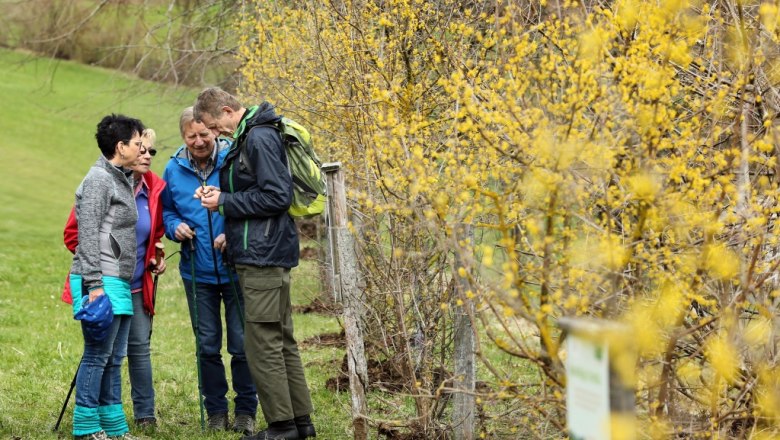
[246,233]
[246,222]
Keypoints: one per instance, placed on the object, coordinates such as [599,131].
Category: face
[128,153]
[145,158]
[199,140]
[224,124]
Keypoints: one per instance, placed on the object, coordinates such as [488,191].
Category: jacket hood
[153,181]
[263,114]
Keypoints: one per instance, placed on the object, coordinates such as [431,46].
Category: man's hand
[183,232]
[209,197]
[220,243]
[204,190]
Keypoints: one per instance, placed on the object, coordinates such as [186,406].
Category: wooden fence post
[463,401]
[348,288]
[329,274]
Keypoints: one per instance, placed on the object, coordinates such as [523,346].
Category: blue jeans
[209,334]
[139,361]
[99,379]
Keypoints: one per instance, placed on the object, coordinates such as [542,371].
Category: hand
[159,269]
[183,232]
[209,198]
[220,243]
[95,294]
[204,190]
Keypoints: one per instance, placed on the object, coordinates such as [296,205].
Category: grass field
[48,116]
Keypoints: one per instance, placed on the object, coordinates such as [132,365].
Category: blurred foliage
[613,159]
[187,42]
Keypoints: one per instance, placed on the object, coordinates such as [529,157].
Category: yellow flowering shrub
[546,159]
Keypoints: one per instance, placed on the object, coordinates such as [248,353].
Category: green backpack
[309,187]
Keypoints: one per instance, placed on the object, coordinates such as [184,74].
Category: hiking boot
[244,424]
[146,422]
[305,427]
[218,422]
[284,430]
[100,435]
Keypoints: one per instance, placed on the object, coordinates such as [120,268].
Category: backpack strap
[243,157]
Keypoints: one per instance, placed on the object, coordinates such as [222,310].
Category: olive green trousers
[271,350]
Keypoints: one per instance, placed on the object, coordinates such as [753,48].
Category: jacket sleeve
[71,233]
[94,199]
[272,191]
[170,215]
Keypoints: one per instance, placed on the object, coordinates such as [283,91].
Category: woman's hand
[94,294]
[159,269]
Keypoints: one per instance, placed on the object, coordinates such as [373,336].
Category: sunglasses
[152,151]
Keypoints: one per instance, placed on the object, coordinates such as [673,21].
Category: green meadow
[48,113]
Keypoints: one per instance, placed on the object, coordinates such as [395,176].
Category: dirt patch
[308,228]
[392,433]
[325,340]
[309,253]
[385,376]
[327,307]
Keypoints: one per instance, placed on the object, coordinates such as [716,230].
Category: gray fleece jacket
[106,215]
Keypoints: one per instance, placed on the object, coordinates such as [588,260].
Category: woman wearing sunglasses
[148,232]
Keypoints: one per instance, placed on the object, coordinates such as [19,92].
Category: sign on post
[598,405]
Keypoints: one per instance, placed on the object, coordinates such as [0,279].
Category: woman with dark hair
[104,264]
[149,232]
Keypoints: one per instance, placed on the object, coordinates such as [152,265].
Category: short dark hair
[115,128]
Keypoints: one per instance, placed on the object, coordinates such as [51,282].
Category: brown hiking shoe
[218,422]
[244,424]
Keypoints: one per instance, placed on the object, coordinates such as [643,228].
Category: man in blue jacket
[262,242]
[195,164]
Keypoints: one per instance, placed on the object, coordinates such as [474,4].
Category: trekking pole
[211,237]
[159,254]
[216,270]
[67,399]
[197,330]
[235,297]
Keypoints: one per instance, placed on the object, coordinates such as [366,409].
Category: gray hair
[187,117]
[211,100]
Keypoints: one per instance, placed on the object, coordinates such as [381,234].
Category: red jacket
[155,185]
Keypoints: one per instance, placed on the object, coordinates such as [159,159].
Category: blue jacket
[179,206]
[255,199]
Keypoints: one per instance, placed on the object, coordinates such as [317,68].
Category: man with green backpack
[257,186]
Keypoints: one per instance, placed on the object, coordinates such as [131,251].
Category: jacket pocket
[256,232]
[116,250]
